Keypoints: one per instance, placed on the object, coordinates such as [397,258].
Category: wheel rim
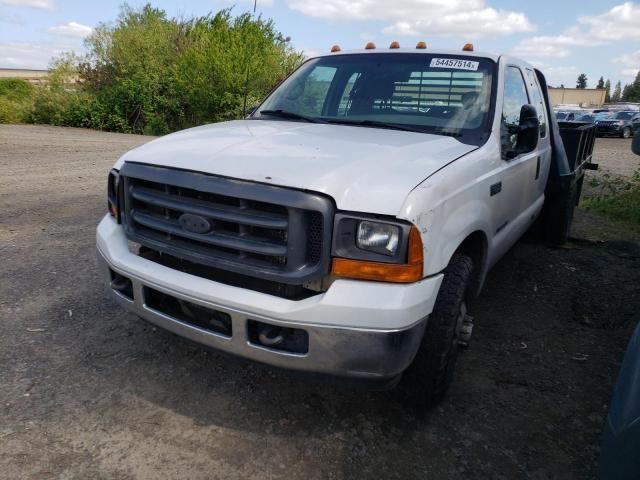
[626,133]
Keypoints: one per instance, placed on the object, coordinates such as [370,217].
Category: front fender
[446,225]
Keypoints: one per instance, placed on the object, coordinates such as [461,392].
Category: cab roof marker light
[468,47]
[370,46]
[394,45]
[335,48]
[421,45]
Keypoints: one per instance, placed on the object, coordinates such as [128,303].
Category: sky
[564,38]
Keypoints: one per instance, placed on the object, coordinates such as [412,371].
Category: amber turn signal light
[113,210]
[394,45]
[370,46]
[421,45]
[335,48]
[385,272]
[468,47]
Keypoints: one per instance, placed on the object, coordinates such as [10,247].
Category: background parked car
[618,124]
[565,116]
[586,118]
[636,123]
[601,114]
[618,455]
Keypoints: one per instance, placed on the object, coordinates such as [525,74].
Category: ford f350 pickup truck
[340,227]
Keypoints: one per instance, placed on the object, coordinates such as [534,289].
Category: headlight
[370,248]
[378,237]
[112,194]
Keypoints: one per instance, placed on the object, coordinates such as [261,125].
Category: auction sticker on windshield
[454,63]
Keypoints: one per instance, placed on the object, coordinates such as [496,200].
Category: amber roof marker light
[370,46]
[421,45]
[468,47]
[394,45]
[335,48]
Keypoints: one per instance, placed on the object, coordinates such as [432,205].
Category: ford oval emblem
[194,223]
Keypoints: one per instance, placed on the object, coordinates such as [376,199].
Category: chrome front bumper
[344,351]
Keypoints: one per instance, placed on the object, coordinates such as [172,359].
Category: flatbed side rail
[579,140]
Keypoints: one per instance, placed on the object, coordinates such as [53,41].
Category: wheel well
[475,247]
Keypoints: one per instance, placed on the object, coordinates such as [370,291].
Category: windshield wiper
[378,124]
[290,115]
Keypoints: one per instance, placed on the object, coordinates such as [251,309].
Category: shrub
[15,99]
[15,89]
[148,73]
[160,74]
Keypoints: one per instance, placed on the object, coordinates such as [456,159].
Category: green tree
[631,92]
[617,92]
[149,73]
[600,83]
[582,81]
[607,87]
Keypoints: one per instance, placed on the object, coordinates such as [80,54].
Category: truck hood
[362,169]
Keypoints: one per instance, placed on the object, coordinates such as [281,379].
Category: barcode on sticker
[454,63]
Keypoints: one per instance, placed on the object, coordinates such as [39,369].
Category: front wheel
[429,376]
[626,132]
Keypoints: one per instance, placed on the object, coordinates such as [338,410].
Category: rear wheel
[448,327]
[626,132]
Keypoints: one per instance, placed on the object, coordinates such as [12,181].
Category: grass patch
[615,197]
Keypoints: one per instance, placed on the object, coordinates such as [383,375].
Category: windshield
[624,115]
[446,94]
[586,118]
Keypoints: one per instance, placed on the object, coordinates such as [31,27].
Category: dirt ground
[88,391]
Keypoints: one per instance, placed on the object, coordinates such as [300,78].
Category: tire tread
[430,375]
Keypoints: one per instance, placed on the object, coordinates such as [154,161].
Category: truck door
[538,170]
[511,190]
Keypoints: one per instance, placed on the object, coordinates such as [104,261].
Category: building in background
[582,97]
[33,76]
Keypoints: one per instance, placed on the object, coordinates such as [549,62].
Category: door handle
[538,160]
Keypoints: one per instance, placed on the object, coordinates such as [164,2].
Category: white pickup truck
[339,228]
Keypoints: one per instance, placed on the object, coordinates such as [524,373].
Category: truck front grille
[249,228]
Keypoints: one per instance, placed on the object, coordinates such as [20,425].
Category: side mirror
[635,144]
[528,131]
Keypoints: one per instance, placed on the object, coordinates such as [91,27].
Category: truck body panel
[429,195]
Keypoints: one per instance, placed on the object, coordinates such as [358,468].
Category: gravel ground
[87,391]
[614,156]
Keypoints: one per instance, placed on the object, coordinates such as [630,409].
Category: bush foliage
[15,99]
[147,73]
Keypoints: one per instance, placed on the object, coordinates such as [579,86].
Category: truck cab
[341,226]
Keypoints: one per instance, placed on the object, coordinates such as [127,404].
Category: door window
[537,101]
[515,96]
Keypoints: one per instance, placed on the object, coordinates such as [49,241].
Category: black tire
[428,378]
[626,132]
